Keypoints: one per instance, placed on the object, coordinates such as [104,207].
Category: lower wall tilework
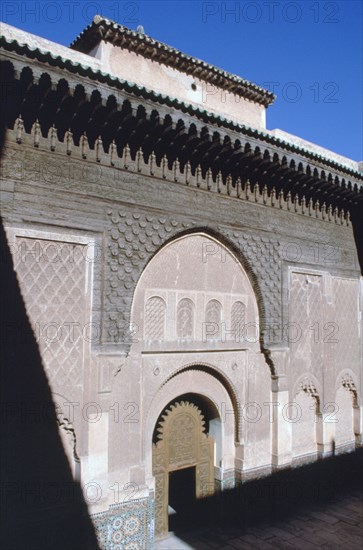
[126,526]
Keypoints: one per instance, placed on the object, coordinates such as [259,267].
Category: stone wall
[85,236]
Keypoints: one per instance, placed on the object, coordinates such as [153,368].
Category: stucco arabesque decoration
[135,237]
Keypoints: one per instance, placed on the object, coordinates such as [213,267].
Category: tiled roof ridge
[102,28]
[74,67]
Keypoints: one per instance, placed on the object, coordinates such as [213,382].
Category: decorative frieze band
[237,188]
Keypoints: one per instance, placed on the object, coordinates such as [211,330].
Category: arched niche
[347,410]
[205,277]
[210,390]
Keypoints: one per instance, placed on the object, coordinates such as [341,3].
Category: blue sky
[308,52]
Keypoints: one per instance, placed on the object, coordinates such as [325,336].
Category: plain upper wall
[131,66]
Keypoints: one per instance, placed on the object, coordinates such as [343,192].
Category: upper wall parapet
[147,62]
[34,42]
[322,151]
[41,57]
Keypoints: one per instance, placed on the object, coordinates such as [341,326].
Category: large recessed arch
[200,383]
[216,246]
[222,378]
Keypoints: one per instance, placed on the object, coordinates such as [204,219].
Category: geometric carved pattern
[126,526]
[182,443]
[155,315]
[306,326]
[238,320]
[185,318]
[345,294]
[52,279]
[135,237]
[299,312]
[316,316]
[182,439]
[264,254]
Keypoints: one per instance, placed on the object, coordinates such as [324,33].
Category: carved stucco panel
[155,314]
[134,238]
[238,318]
[182,442]
[306,322]
[52,277]
[345,341]
[185,319]
[262,258]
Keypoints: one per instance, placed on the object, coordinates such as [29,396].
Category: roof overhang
[102,29]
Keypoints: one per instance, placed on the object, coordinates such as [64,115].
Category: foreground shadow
[42,508]
[276,497]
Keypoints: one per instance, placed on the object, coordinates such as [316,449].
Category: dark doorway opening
[182,498]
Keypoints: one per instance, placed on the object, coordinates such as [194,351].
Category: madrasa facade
[191,277]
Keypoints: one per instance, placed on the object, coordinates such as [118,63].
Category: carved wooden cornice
[198,142]
[239,188]
[78,75]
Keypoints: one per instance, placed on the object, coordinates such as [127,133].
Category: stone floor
[332,525]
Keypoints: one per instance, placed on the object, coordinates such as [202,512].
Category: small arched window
[238,321]
[185,319]
[155,316]
[213,319]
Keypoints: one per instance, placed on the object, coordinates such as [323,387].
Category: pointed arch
[221,242]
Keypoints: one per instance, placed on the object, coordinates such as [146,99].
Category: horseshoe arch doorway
[182,460]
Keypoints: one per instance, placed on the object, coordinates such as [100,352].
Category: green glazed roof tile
[97,75]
